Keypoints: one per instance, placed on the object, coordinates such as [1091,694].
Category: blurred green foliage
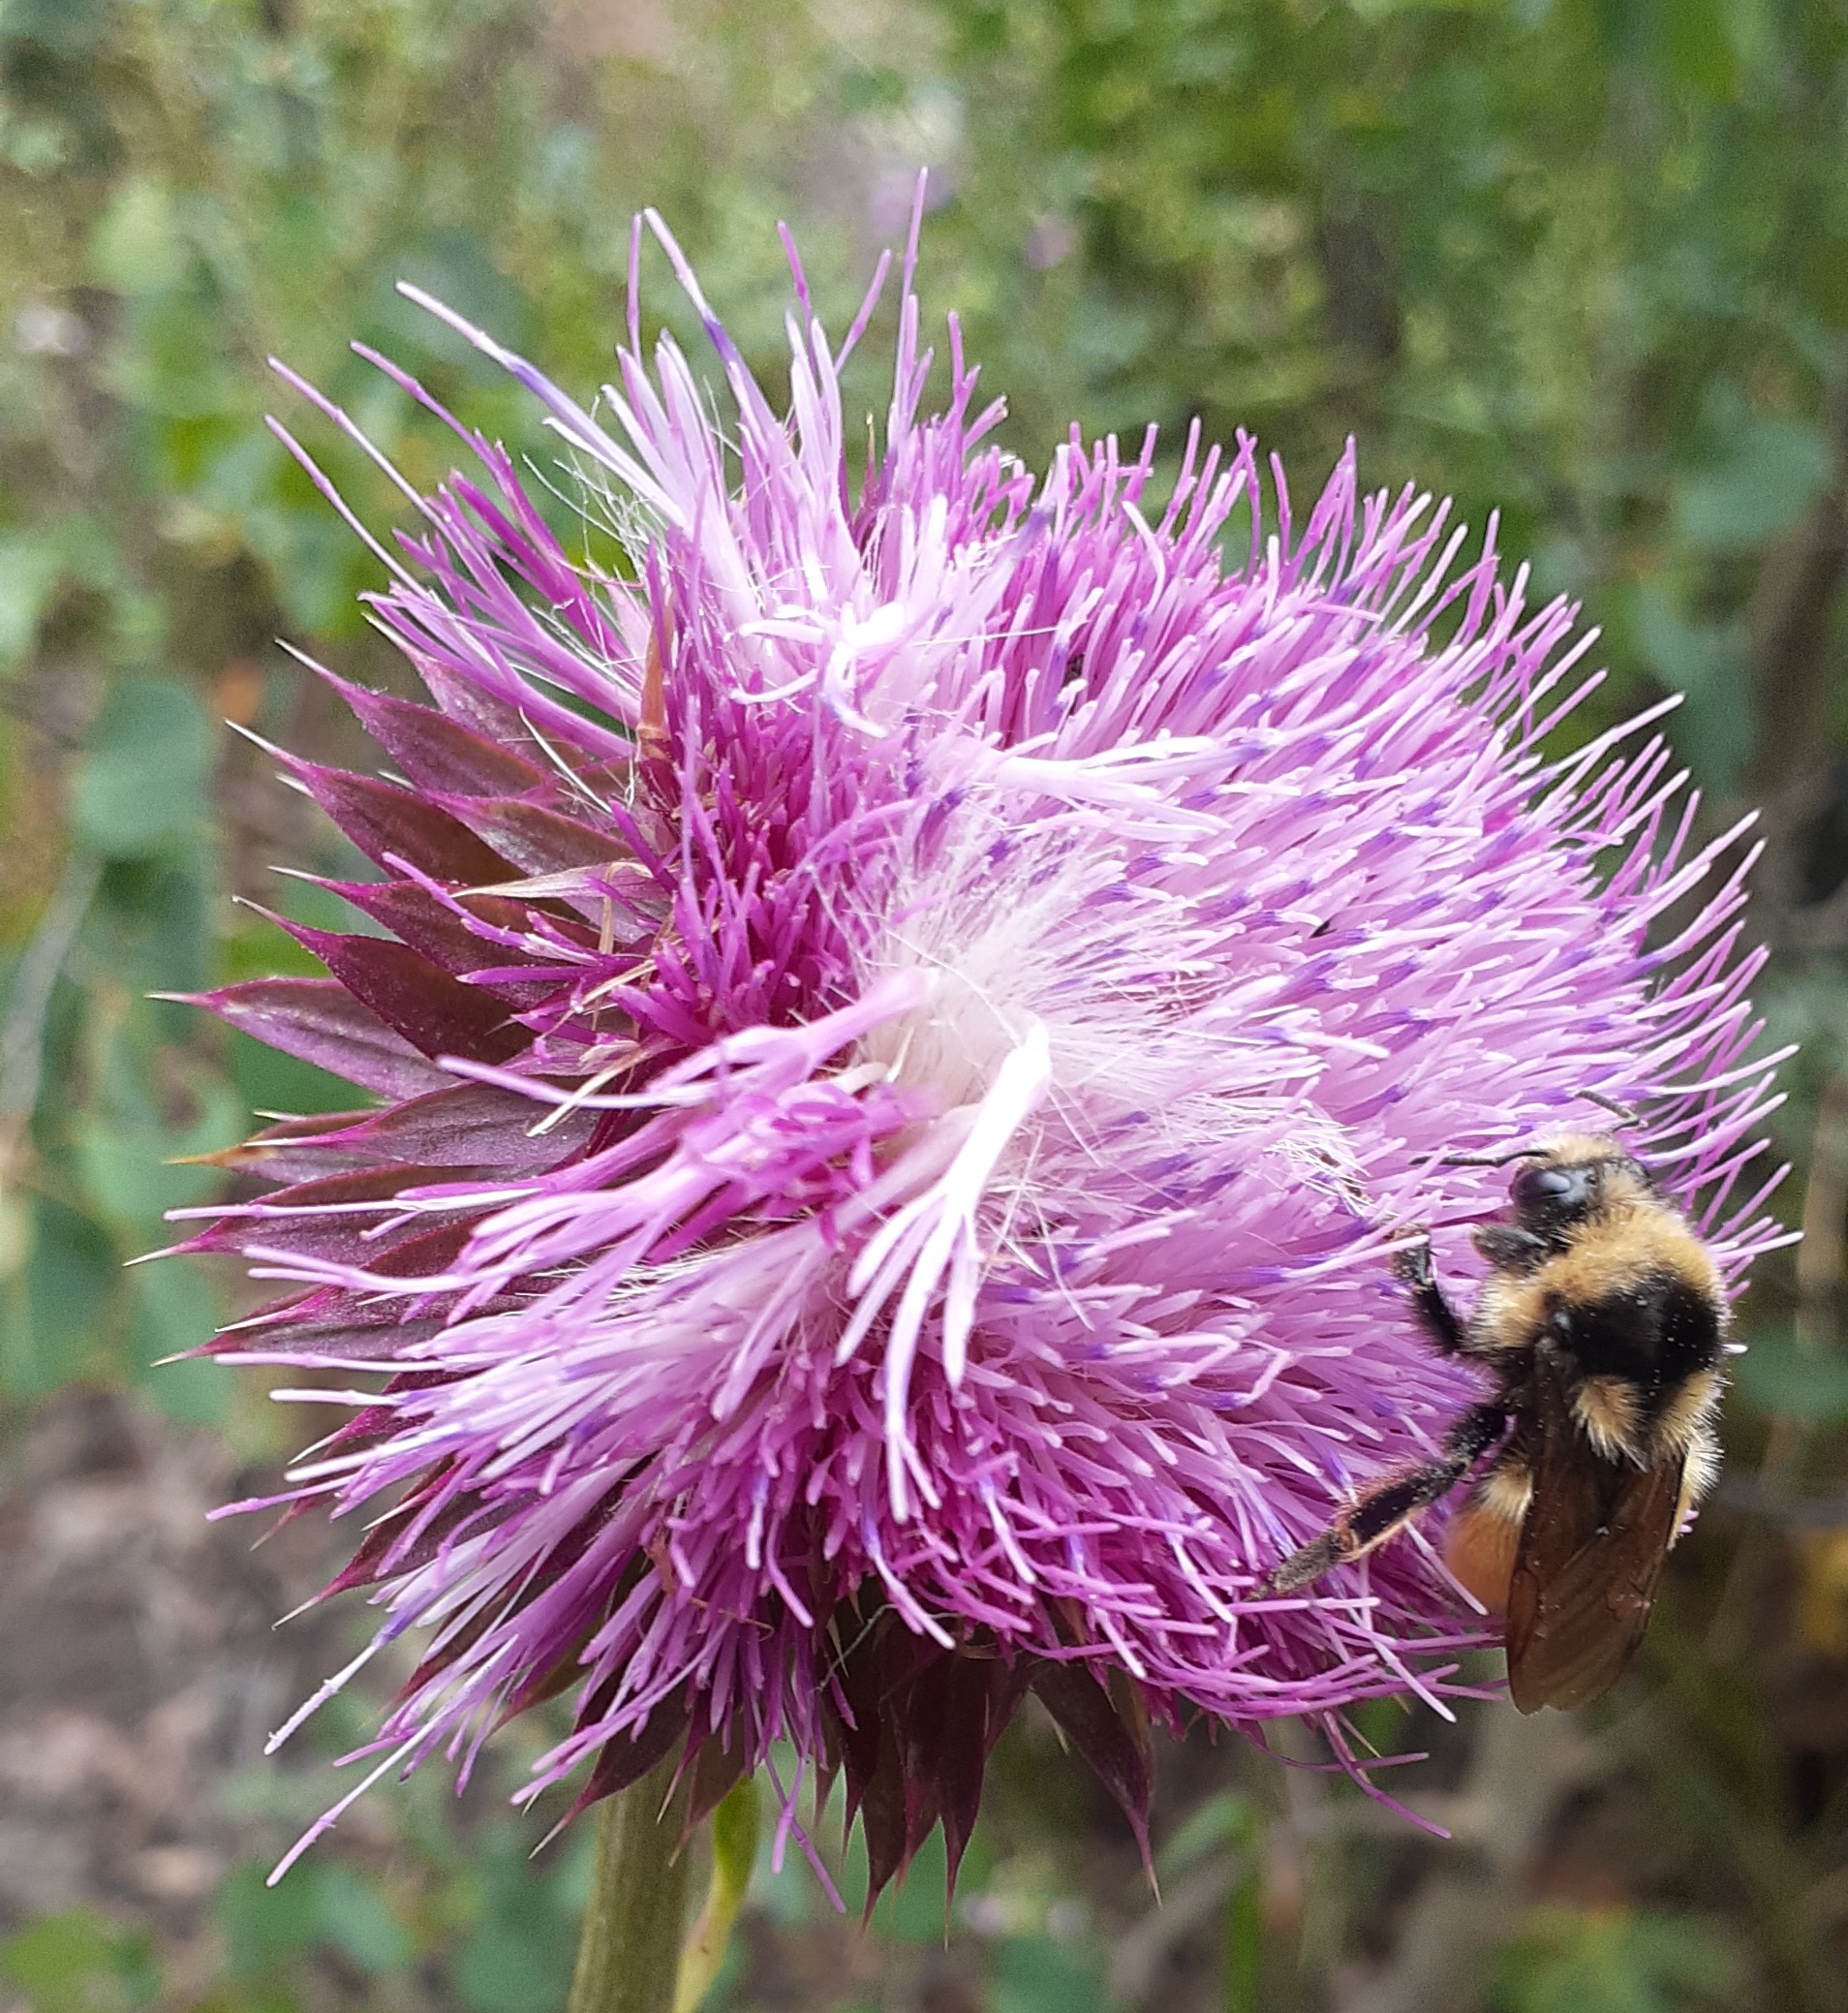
[1582,261]
[1614,1961]
[78,1963]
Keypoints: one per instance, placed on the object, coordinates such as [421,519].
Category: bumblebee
[1603,1320]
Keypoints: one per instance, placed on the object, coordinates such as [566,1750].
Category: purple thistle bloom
[908,1033]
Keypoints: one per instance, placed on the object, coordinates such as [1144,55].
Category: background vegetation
[1583,261]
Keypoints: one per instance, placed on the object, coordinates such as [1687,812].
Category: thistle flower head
[907,1028]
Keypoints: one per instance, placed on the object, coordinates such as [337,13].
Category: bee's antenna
[1521,1152]
[1622,1113]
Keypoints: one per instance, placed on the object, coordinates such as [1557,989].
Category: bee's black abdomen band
[1653,1333]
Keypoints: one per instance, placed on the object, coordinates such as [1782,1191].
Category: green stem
[735,1856]
[629,1951]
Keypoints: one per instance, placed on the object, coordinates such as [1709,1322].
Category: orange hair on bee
[1479,1549]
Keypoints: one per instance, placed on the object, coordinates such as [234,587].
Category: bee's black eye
[1552,1191]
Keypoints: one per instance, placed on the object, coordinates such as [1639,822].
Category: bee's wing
[1591,1551]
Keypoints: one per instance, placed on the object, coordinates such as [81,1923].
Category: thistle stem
[628,1950]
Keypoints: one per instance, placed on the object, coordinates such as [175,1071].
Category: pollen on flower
[905,1036]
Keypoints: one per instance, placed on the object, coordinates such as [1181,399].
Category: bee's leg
[1388,1505]
[1440,1320]
[1699,1472]
[1510,1248]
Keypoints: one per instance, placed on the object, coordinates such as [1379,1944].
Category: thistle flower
[906,1030]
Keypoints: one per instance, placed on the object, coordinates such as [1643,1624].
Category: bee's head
[1573,1180]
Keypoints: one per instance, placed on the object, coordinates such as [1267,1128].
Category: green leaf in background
[1773,470]
[53,1309]
[127,1158]
[137,246]
[81,1962]
[1805,1006]
[268,1080]
[74,548]
[790,1896]
[1824,258]
[1614,1961]
[265,1927]
[1707,662]
[915,1911]
[1244,1958]
[32,562]
[1384,10]
[151,1111]
[143,787]
[65,27]
[150,928]
[518,1957]
[1231,1824]
[169,367]
[502,1970]
[1700,54]
[1776,1377]
[1227,1820]
[457,267]
[315,566]
[175,1307]
[353,1914]
[321,1904]
[1037,1974]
